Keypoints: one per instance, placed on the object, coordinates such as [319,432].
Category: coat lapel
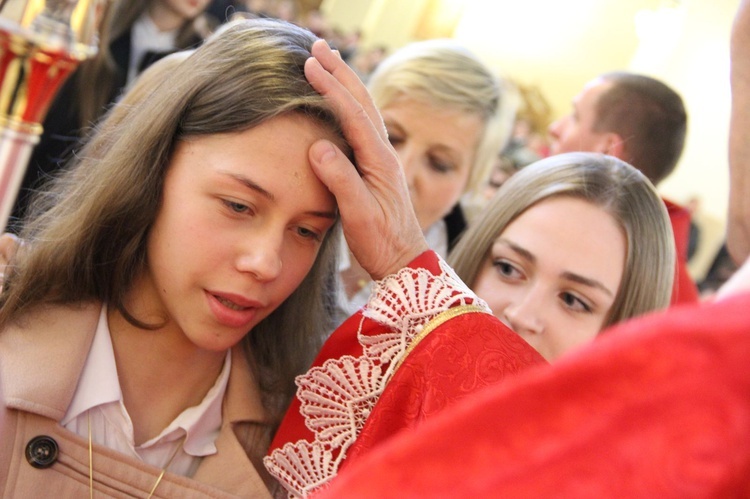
[43,356]
[41,360]
[244,437]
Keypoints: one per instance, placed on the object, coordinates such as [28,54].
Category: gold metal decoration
[41,43]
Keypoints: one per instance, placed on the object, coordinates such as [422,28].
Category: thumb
[336,171]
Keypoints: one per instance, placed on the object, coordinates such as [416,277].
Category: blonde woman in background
[568,246]
[448,116]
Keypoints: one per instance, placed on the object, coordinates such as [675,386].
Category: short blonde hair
[445,74]
[607,182]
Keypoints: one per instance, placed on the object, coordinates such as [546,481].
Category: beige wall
[698,66]
[391,23]
[558,46]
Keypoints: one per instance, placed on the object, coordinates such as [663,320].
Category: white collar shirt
[144,37]
[97,406]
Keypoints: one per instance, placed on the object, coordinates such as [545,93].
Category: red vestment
[684,289]
[374,378]
[657,407]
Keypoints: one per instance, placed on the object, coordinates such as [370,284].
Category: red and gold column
[41,43]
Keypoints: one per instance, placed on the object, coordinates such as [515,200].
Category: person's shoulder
[708,336]
[460,353]
[676,211]
[52,320]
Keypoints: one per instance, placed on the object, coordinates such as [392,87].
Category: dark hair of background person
[648,114]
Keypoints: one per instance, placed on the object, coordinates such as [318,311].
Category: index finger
[336,66]
[372,151]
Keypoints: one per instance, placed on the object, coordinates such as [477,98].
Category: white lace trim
[337,397]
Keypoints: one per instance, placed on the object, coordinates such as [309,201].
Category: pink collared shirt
[99,397]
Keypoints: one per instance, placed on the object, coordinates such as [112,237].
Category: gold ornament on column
[41,43]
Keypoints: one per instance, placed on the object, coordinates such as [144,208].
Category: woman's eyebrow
[254,186]
[250,184]
[523,252]
[593,283]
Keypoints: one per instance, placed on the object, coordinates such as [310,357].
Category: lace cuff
[405,302]
[338,396]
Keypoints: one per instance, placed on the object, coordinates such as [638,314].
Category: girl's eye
[440,166]
[236,207]
[574,303]
[506,269]
[309,234]
[394,140]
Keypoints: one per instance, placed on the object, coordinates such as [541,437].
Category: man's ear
[614,145]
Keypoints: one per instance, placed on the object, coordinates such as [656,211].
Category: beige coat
[40,363]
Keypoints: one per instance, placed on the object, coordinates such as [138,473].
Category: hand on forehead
[373,197]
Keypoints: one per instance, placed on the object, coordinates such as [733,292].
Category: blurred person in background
[447,117]
[642,121]
[135,34]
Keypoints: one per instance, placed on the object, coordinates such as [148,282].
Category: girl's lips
[231,310]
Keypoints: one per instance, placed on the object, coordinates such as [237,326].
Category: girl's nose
[262,258]
[523,316]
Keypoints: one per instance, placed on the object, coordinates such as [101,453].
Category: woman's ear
[9,244]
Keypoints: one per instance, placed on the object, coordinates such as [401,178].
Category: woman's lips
[232,310]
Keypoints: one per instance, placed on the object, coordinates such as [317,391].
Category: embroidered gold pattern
[434,324]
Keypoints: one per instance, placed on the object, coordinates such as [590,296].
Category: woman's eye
[440,166]
[236,207]
[506,269]
[394,140]
[574,303]
[309,234]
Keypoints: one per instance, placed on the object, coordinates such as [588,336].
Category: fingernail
[323,151]
[325,43]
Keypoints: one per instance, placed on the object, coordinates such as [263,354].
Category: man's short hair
[649,116]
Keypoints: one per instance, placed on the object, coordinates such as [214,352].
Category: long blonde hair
[86,238]
[607,182]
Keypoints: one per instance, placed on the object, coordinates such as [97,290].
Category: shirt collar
[99,384]
[202,422]
[437,237]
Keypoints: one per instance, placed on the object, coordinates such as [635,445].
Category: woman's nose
[409,164]
[554,129]
[262,257]
[523,316]
[558,127]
